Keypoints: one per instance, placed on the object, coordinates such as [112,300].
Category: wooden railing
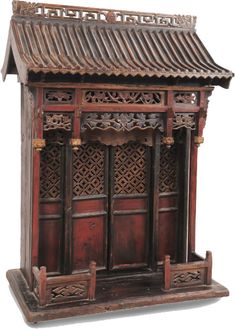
[64,288]
[197,271]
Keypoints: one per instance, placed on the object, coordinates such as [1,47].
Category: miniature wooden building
[113,109]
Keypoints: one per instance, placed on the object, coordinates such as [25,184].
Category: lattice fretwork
[130,169]
[50,180]
[168,169]
[88,170]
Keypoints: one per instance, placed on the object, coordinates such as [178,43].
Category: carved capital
[75,143]
[198,140]
[168,141]
[39,144]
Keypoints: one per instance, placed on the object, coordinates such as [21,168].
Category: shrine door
[94,206]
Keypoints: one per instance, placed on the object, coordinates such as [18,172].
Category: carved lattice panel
[88,170]
[50,180]
[130,169]
[168,169]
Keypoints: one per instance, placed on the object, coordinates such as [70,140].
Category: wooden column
[38,144]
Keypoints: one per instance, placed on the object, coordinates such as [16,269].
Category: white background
[216,179]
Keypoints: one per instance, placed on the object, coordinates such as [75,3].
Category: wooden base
[111,295]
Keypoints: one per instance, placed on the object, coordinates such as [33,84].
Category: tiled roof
[93,41]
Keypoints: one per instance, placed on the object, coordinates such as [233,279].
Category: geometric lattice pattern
[168,169]
[130,169]
[88,170]
[50,180]
[79,290]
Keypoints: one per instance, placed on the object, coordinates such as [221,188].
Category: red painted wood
[88,242]
[50,208]
[167,201]
[167,226]
[125,204]
[88,205]
[129,240]
[50,244]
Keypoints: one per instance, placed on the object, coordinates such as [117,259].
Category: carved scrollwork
[58,96]
[184,120]
[121,121]
[181,278]
[78,290]
[57,121]
[102,15]
[186,98]
[123,97]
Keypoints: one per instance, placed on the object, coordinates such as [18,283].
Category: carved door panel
[129,222]
[89,206]
[51,213]
[110,206]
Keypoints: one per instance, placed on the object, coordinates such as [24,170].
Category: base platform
[111,295]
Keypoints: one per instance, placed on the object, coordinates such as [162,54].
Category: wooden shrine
[113,109]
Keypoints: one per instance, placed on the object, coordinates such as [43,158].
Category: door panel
[129,243]
[89,207]
[51,207]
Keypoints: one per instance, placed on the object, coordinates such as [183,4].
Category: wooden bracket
[75,143]
[199,139]
[168,139]
[39,144]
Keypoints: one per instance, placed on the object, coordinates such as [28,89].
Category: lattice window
[88,170]
[130,169]
[168,169]
[50,180]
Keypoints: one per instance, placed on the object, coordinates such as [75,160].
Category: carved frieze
[102,15]
[78,290]
[190,277]
[186,98]
[58,96]
[184,120]
[57,121]
[121,121]
[123,97]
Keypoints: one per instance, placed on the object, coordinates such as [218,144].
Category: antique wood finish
[110,136]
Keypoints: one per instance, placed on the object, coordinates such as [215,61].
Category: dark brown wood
[110,137]
[113,295]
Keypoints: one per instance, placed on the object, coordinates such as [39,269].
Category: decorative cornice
[121,121]
[24,8]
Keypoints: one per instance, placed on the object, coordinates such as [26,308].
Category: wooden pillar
[38,144]
[192,197]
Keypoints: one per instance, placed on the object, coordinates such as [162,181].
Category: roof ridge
[110,16]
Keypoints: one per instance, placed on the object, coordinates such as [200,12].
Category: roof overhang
[88,41]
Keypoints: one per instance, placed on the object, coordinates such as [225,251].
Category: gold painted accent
[39,144]
[75,142]
[198,140]
[168,141]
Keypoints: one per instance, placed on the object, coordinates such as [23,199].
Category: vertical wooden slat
[91,293]
[68,185]
[42,286]
[36,177]
[155,205]
[167,272]
[209,268]
[192,198]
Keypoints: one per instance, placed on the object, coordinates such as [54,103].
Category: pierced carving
[191,277]
[50,178]
[25,8]
[103,15]
[57,121]
[168,170]
[78,290]
[58,96]
[130,169]
[186,97]
[184,120]
[88,170]
[121,121]
[123,97]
